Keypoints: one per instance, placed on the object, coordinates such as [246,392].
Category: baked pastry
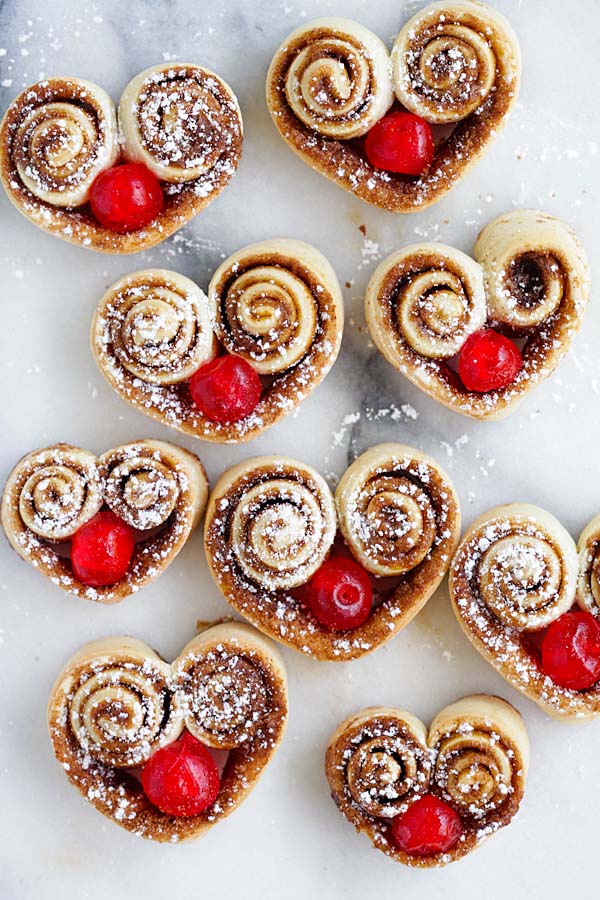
[449,323]
[103,527]
[332,83]
[332,577]
[178,129]
[119,716]
[514,584]
[275,309]
[427,798]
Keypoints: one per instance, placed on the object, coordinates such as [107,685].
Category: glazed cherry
[339,594]
[571,651]
[428,827]
[488,361]
[400,142]
[125,198]
[182,778]
[102,549]
[226,389]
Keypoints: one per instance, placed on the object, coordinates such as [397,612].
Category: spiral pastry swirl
[481,757]
[157,324]
[444,61]
[120,708]
[65,134]
[273,519]
[533,264]
[338,81]
[428,296]
[520,564]
[55,490]
[386,763]
[228,691]
[180,120]
[391,508]
[265,302]
[142,484]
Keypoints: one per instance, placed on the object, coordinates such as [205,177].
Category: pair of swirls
[340,79]
[117,702]
[181,121]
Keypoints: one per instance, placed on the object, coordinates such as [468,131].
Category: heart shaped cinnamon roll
[427,798]
[331,83]
[103,527]
[180,122]
[274,308]
[530,607]
[479,334]
[121,718]
[333,577]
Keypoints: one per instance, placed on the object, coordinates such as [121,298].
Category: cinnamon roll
[158,489]
[181,121]
[474,758]
[116,703]
[529,280]
[514,574]
[331,80]
[276,304]
[271,524]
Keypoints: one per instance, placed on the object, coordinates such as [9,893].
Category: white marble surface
[288,840]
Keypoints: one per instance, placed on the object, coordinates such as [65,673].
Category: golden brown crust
[183,198]
[536,279]
[485,37]
[515,572]
[265,583]
[158,488]
[124,681]
[475,758]
[277,303]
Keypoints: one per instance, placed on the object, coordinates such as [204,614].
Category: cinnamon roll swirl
[116,702]
[160,490]
[156,325]
[62,133]
[182,121]
[338,82]
[514,573]
[474,758]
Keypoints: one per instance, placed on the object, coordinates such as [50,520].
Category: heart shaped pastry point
[180,120]
[276,304]
[158,489]
[116,703]
[515,573]
[474,759]
[453,64]
[272,521]
[529,279]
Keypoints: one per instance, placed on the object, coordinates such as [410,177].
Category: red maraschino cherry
[339,594]
[488,361]
[182,778]
[226,389]
[428,827]
[127,197]
[571,651]
[101,550]
[400,142]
